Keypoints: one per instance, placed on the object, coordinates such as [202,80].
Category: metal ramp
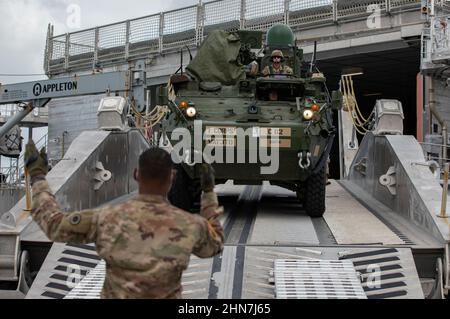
[64,268]
[75,272]
[387,265]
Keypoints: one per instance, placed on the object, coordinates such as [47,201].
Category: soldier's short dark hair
[155,163]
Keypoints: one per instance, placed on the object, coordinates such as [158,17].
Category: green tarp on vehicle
[217,59]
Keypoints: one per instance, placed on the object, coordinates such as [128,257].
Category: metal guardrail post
[335,11]
[200,23]
[50,49]
[243,11]
[127,39]
[287,5]
[66,52]
[47,57]
[161,32]
[96,44]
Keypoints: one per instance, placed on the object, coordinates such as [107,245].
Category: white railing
[170,31]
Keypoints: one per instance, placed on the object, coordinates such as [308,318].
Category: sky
[24,23]
[23,26]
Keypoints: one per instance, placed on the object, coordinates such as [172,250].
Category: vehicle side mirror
[337,100]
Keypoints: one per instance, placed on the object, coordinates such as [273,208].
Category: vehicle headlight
[308,115]
[191,112]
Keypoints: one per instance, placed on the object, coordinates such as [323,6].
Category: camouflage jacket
[146,242]
[284,70]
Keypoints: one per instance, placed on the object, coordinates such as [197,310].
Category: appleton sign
[39,89]
[101,83]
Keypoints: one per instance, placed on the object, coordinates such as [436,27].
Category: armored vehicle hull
[252,126]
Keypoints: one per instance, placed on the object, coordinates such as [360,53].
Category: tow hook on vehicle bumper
[305,160]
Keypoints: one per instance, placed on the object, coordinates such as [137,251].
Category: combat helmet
[278,53]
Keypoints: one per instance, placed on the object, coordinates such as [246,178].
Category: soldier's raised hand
[208,178]
[35,162]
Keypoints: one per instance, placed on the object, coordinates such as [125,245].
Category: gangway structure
[161,34]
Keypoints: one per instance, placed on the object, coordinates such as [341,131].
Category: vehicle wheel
[184,192]
[314,194]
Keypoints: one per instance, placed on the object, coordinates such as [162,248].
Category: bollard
[445,192]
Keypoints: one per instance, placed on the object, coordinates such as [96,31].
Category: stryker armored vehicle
[223,93]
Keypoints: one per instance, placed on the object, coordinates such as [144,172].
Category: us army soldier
[146,242]
[277,67]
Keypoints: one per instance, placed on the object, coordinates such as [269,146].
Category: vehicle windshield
[284,93]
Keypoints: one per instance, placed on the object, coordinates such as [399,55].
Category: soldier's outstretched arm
[76,227]
[211,239]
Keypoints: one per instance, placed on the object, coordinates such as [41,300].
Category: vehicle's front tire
[314,195]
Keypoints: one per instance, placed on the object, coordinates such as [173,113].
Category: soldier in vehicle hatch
[146,242]
[277,67]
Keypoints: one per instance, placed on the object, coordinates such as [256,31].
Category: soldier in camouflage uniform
[146,242]
[277,68]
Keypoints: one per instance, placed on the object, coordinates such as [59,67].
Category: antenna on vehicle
[313,59]
[180,69]
[190,53]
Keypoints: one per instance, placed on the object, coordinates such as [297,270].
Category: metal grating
[310,12]
[82,48]
[221,15]
[392,279]
[317,279]
[73,263]
[195,281]
[261,15]
[112,41]
[180,28]
[91,286]
[354,8]
[144,36]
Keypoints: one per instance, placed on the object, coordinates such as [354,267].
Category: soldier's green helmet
[280,35]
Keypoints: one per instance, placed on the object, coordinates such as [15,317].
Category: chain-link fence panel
[112,41]
[180,28]
[144,36]
[308,12]
[82,48]
[404,5]
[263,14]
[57,52]
[221,15]
[350,9]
